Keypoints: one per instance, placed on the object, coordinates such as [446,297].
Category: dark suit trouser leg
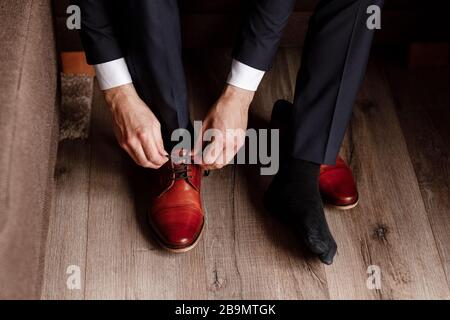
[155,61]
[333,64]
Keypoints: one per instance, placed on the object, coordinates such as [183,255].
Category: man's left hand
[228,118]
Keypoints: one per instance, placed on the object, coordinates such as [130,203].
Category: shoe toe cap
[338,188]
[177,227]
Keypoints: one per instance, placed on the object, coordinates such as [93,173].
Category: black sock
[294,193]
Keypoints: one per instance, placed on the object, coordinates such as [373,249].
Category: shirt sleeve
[112,74]
[115,73]
[244,76]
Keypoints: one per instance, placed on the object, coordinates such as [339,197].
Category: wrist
[245,97]
[115,96]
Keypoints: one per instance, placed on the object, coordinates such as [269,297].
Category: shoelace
[181,171]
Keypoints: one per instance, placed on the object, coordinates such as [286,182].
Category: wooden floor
[397,145]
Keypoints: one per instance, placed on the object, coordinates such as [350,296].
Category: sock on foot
[295,191]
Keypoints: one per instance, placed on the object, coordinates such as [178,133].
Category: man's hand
[136,127]
[228,117]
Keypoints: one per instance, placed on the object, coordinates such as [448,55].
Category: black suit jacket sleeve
[262,31]
[97,31]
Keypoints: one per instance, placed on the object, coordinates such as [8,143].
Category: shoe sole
[179,250]
[346,207]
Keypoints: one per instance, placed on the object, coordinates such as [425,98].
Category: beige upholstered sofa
[28,135]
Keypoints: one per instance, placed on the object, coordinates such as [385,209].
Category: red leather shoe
[337,186]
[176,212]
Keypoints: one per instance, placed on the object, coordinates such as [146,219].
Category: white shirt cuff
[112,74]
[244,76]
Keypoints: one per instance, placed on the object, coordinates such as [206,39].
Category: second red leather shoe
[176,212]
[337,186]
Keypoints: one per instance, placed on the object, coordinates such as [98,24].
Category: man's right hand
[137,129]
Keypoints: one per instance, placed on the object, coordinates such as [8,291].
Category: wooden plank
[220,265]
[66,242]
[422,101]
[110,213]
[390,228]
[271,261]
[206,73]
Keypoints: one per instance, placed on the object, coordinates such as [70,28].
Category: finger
[151,152]
[227,155]
[160,143]
[135,157]
[220,162]
[230,152]
[147,141]
[138,152]
[213,151]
